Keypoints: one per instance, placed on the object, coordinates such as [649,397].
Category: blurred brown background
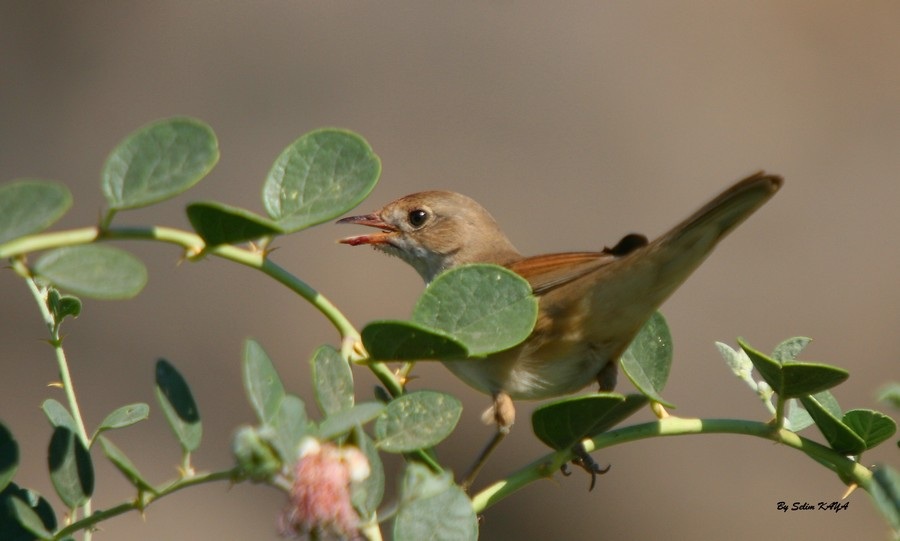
[574,124]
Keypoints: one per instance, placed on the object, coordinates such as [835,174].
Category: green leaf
[366,495]
[9,456]
[62,306]
[407,341]
[890,394]
[809,378]
[58,415]
[93,270]
[25,515]
[333,381]
[318,177]
[872,426]
[178,405]
[790,348]
[290,425]
[340,423]
[885,491]
[738,362]
[564,423]
[840,437]
[416,421]
[794,379]
[218,223]
[159,161]
[797,416]
[263,385]
[71,470]
[254,454]
[648,359]
[124,465]
[487,308]
[433,508]
[30,206]
[124,416]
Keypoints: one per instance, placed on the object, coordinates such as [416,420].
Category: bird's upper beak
[371,220]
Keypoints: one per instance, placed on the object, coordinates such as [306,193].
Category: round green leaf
[25,515]
[30,206]
[58,415]
[93,270]
[125,416]
[342,422]
[218,223]
[487,308]
[333,381]
[433,508]
[9,456]
[159,161]
[320,176]
[648,359]
[407,341]
[264,387]
[177,402]
[71,469]
[416,421]
[872,426]
[840,436]
[446,516]
[289,425]
[564,423]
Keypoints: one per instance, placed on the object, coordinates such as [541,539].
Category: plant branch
[194,247]
[144,500]
[62,364]
[848,470]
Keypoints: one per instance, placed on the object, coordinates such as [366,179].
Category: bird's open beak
[371,220]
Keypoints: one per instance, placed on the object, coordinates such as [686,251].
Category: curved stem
[194,247]
[848,470]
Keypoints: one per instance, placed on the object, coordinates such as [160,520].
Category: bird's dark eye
[417,217]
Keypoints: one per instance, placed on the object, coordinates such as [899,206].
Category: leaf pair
[468,311]
[848,433]
[318,177]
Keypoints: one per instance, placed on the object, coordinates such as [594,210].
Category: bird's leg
[503,413]
[606,379]
[584,461]
[607,376]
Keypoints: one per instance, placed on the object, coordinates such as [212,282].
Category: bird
[591,304]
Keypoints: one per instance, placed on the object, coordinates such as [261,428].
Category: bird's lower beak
[370,220]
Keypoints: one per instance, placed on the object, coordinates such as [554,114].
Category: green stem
[195,247]
[848,470]
[143,501]
[65,375]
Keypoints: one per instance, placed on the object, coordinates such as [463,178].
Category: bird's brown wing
[548,272]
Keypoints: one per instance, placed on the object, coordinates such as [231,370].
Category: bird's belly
[528,377]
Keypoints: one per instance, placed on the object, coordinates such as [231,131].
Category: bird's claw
[584,461]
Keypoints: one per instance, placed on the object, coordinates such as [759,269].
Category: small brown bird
[592,304]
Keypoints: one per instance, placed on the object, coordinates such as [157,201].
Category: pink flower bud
[320,492]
